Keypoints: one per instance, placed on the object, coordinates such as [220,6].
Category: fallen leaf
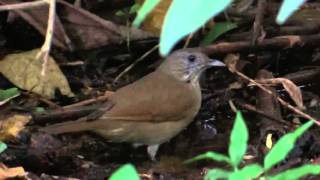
[12,125]
[88,30]
[269,142]
[8,94]
[6,173]
[293,40]
[154,20]
[38,18]
[77,28]
[231,61]
[24,71]
[292,89]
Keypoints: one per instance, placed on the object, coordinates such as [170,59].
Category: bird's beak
[214,62]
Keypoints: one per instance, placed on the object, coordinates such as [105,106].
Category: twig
[89,101]
[45,49]
[284,103]
[186,44]
[24,5]
[258,22]
[261,113]
[133,64]
[276,43]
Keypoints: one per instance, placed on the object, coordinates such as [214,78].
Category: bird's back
[141,116]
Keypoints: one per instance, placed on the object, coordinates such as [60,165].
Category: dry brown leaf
[24,70]
[12,125]
[293,40]
[77,28]
[231,61]
[89,31]
[6,173]
[154,20]
[292,89]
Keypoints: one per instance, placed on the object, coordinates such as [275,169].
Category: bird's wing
[156,97]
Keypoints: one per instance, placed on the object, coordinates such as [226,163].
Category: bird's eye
[192,58]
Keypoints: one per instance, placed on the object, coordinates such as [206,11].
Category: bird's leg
[152,151]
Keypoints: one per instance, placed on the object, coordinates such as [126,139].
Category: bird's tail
[67,127]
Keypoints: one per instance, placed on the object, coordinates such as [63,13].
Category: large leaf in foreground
[184,17]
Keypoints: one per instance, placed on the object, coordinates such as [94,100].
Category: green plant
[237,149]
[125,172]
[3,146]
[9,93]
[129,11]
[217,30]
[178,23]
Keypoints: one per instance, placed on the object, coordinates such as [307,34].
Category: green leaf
[288,7]
[184,17]
[209,155]
[134,8]
[284,146]
[3,146]
[120,13]
[214,174]
[217,30]
[146,8]
[125,172]
[8,93]
[238,140]
[297,173]
[248,172]
[40,110]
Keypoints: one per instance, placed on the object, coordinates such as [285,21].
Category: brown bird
[153,109]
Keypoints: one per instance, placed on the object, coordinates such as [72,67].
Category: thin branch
[45,49]
[234,58]
[133,64]
[24,5]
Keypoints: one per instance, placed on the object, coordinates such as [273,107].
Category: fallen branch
[276,43]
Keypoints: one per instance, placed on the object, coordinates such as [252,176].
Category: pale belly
[143,132]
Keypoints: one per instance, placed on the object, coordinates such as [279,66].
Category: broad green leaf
[214,174]
[288,7]
[217,30]
[125,172]
[238,140]
[3,146]
[8,93]
[146,8]
[184,17]
[209,155]
[281,149]
[297,173]
[248,172]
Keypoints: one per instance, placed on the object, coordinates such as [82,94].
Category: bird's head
[187,64]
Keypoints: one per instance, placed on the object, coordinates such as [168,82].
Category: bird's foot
[152,151]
